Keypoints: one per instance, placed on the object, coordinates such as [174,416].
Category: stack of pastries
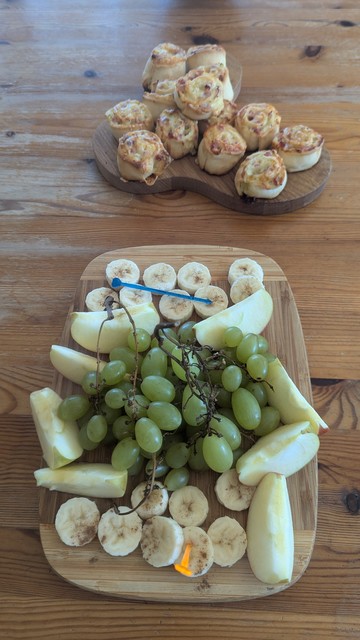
[188,108]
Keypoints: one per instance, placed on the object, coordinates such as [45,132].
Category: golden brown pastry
[178,133]
[221,72]
[129,115]
[205,55]
[167,61]
[226,116]
[162,97]
[299,146]
[199,94]
[261,175]
[220,149]
[142,156]
[258,123]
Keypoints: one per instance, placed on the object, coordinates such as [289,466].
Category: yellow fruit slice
[72,364]
[95,480]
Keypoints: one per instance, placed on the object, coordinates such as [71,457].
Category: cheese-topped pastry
[205,55]
[166,61]
[226,116]
[299,146]
[178,133]
[222,73]
[162,97]
[142,156]
[258,123]
[199,94]
[261,175]
[129,115]
[220,149]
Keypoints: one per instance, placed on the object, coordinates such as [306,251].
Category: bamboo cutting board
[131,577]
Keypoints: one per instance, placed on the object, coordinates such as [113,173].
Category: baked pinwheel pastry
[199,94]
[261,175]
[221,72]
[226,116]
[299,146]
[205,55]
[142,156]
[167,61]
[220,149]
[178,133]
[129,115]
[162,97]
[258,123]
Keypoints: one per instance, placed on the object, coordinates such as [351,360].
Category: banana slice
[119,533]
[219,301]
[189,506]
[243,287]
[133,297]
[229,541]
[231,493]
[76,521]
[126,270]
[160,276]
[95,299]
[193,275]
[201,556]
[161,541]
[176,309]
[155,504]
[245,267]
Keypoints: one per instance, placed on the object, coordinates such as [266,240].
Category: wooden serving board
[131,577]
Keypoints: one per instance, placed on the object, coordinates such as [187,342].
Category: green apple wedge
[269,531]
[250,315]
[85,326]
[286,450]
[73,364]
[93,479]
[59,439]
[283,395]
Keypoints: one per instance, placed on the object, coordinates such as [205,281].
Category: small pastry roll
[160,98]
[178,133]
[199,94]
[258,123]
[166,61]
[142,156]
[226,116]
[261,175]
[222,73]
[129,115]
[205,55]
[220,149]
[299,146]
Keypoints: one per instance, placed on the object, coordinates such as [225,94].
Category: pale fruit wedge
[250,315]
[59,439]
[283,394]
[85,326]
[72,364]
[93,479]
[270,534]
[285,451]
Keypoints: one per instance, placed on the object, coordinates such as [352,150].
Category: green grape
[177,455]
[96,428]
[186,333]
[115,398]
[136,406]
[232,336]
[228,413]
[123,427]
[168,339]
[148,435]
[160,470]
[140,341]
[155,363]
[113,372]
[259,391]
[170,438]
[127,356]
[217,453]
[223,398]
[231,377]
[270,420]
[90,383]
[109,414]
[146,454]
[263,345]
[158,388]
[215,376]
[246,409]
[135,468]
[177,478]
[165,415]
[125,386]
[270,357]
[125,454]
[247,347]
[73,407]
[245,378]
[190,361]
[228,429]
[170,375]
[236,455]
[196,460]
[257,366]
[85,442]
[85,419]
[194,409]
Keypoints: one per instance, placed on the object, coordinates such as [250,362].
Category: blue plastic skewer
[116,282]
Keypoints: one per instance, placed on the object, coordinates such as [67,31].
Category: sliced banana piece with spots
[176,309]
[95,299]
[126,270]
[245,267]
[189,506]
[76,521]
[193,275]
[243,287]
[218,297]
[119,532]
[132,297]
[229,541]
[197,554]
[160,276]
[161,541]
[156,502]
[232,493]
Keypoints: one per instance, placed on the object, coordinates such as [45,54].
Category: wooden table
[62,65]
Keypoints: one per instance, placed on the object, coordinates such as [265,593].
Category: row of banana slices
[245,276]
[163,539]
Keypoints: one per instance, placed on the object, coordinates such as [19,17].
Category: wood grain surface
[62,65]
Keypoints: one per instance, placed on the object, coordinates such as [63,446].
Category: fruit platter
[238,493]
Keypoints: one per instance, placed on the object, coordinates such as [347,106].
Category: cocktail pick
[116,283]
